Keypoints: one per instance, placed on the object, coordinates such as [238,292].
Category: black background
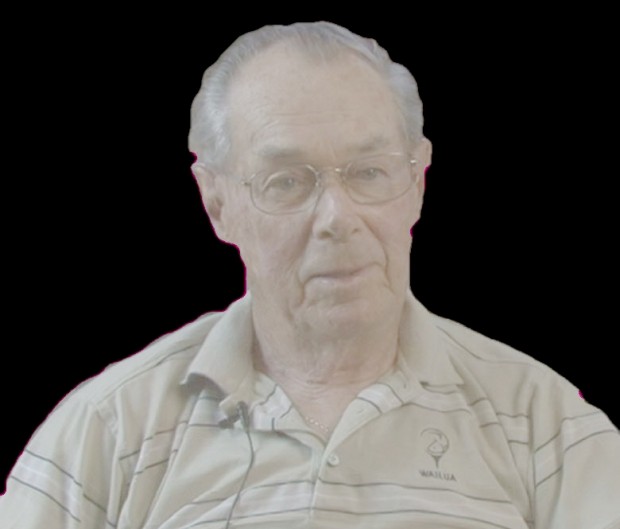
[106,246]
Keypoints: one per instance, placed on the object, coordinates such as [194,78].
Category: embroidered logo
[438,444]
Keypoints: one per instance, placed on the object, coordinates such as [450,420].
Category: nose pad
[334,210]
[337,177]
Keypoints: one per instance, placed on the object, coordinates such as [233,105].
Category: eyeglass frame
[318,182]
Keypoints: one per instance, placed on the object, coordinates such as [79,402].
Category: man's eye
[286,183]
[369,173]
[283,183]
[289,182]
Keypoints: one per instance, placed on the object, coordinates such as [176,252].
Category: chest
[395,469]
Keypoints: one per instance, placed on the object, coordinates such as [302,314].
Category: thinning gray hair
[210,137]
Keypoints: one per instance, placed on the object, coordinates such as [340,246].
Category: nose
[335,213]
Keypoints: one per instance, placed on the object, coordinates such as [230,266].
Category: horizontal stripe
[498,361]
[441,514]
[562,422]
[443,440]
[139,373]
[152,437]
[411,487]
[32,473]
[46,494]
[572,446]
[45,475]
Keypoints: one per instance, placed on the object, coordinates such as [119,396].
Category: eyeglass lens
[367,180]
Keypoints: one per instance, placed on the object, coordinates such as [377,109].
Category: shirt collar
[225,356]
[423,346]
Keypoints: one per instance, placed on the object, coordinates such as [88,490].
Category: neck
[319,371]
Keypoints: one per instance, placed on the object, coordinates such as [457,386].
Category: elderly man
[327,396]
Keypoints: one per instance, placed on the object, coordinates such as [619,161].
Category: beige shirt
[464,433]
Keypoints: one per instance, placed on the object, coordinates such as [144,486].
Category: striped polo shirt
[465,432]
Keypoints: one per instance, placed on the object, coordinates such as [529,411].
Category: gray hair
[209,137]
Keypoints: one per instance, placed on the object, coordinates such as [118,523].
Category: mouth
[342,275]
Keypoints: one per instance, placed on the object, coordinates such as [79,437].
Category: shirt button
[333,460]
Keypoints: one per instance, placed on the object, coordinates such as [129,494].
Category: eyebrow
[283,152]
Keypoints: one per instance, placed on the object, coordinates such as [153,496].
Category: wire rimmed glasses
[368,180]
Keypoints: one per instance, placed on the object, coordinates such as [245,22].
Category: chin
[345,316]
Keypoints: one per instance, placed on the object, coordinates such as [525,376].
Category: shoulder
[494,362]
[476,348]
[128,402]
[147,386]
[98,436]
[162,361]
[515,383]
[564,449]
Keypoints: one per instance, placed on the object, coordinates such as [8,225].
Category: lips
[338,274]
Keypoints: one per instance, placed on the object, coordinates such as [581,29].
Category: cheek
[414,208]
[274,251]
[398,249]
[396,241]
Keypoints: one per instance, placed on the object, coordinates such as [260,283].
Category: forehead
[283,103]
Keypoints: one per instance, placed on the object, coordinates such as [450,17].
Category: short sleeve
[67,476]
[575,462]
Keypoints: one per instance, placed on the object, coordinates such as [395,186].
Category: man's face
[338,264]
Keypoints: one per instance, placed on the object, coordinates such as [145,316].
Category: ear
[422,154]
[214,198]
